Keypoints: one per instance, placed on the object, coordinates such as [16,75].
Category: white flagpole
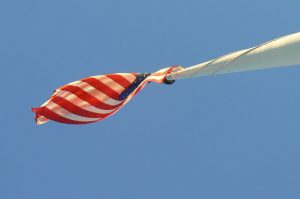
[283,51]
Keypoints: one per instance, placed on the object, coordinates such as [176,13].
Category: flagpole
[283,51]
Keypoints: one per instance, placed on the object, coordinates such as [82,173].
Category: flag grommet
[168,81]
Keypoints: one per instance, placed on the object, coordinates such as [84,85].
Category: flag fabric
[95,98]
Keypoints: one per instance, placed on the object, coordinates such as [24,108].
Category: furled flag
[97,97]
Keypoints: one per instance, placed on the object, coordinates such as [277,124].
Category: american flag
[95,98]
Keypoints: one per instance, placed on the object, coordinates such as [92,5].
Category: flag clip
[173,70]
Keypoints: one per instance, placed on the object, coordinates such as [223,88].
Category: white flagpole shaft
[283,51]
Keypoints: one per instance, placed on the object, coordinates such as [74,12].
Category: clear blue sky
[233,136]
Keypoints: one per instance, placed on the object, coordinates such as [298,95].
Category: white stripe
[41,120]
[83,104]
[110,83]
[162,70]
[96,93]
[68,115]
[129,77]
[157,78]
[44,104]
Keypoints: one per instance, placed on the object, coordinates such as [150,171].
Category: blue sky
[231,136]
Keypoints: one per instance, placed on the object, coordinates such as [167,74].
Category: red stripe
[37,114]
[120,80]
[35,110]
[44,111]
[102,87]
[76,109]
[88,97]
